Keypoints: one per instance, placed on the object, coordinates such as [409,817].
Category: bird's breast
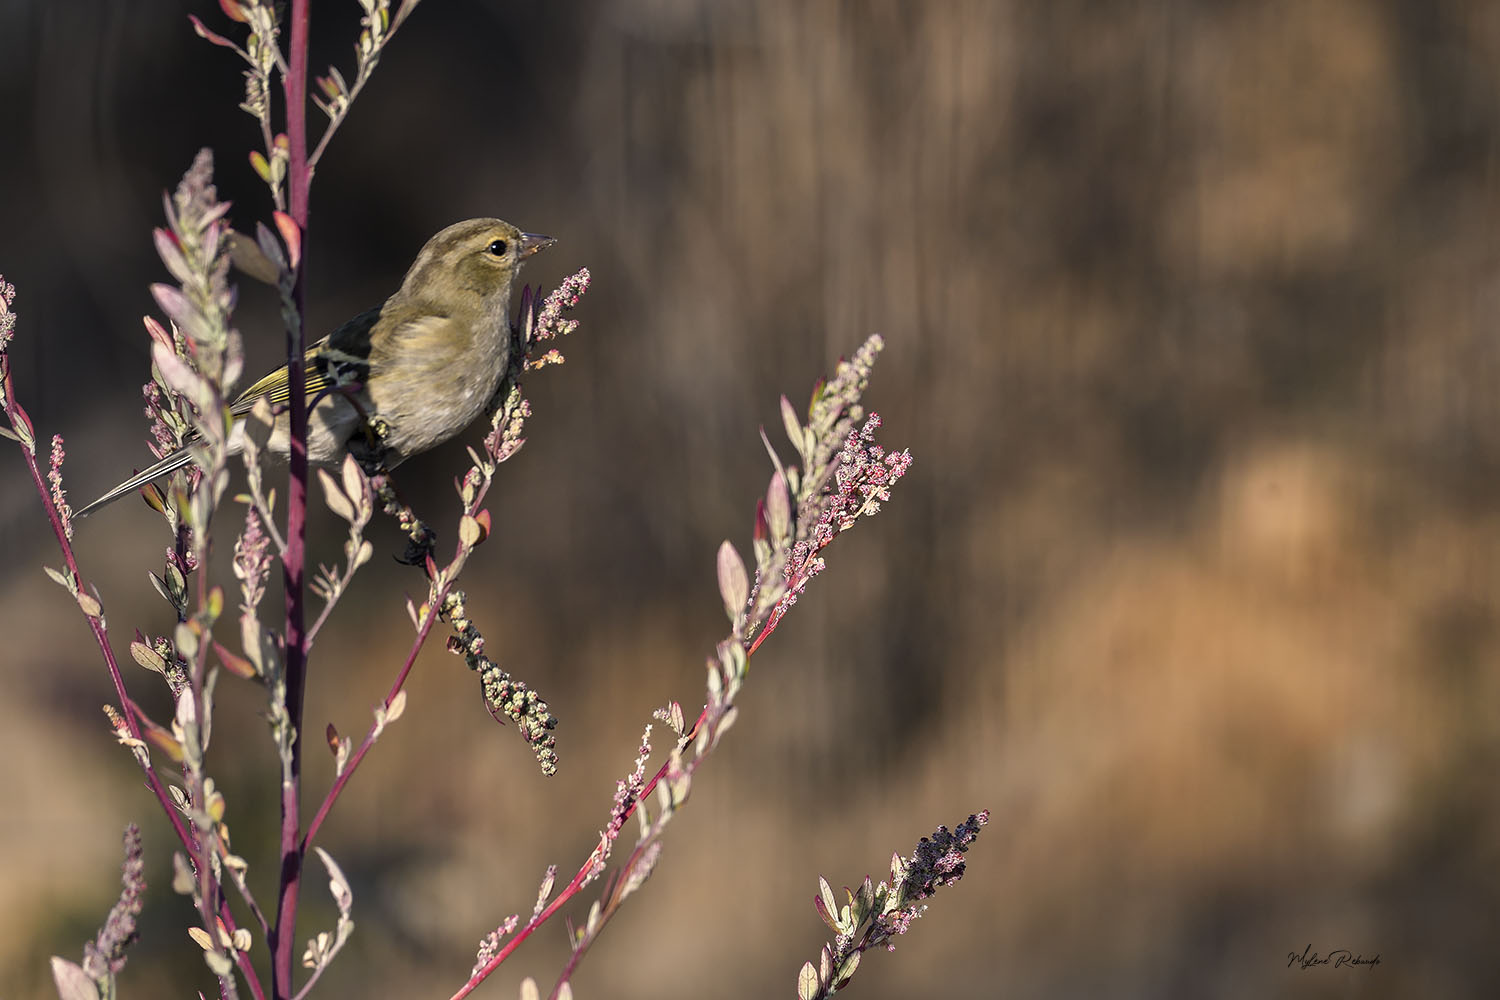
[436,383]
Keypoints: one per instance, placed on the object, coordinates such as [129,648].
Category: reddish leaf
[153,498]
[817,392]
[235,664]
[158,332]
[291,235]
[176,305]
[203,32]
[159,736]
[828,918]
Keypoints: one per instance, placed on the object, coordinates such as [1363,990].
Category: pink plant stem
[101,637]
[435,603]
[574,886]
[283,941]
[343,779]
[127,706]
[425,630]
[572,889]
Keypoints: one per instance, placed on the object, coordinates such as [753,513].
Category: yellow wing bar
[274,386]
[346,351]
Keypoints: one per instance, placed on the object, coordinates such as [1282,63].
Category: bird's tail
[171,463]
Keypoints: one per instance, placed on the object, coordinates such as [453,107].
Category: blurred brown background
[1192,323]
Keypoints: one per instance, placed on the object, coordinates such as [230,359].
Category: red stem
[101,635]
[576,885]
[572,889]
[127,706]
[343,779]
[283,943]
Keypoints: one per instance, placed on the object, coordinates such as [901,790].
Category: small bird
[427,361]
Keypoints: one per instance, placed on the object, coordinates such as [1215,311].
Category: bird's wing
[343,354]
[274,386]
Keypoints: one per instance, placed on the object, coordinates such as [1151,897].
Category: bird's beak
[532,243]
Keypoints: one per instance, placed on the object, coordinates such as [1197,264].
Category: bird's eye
[497,248]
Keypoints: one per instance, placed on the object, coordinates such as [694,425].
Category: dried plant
[840,476]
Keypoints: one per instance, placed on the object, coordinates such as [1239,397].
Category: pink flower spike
[59,495]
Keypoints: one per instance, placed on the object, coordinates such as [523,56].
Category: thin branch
[366,68]
[101,638]
[128,710]
[435,599]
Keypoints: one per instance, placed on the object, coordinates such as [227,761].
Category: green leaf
[63,580]
[825,914]
[807,982]
[262,168]
[898,872]
[148,657]
[160,585]
[864,901]
[21,424]
[846,970]
[829,904]
[177,583]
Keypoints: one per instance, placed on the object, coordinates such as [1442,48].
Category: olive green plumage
[428,360]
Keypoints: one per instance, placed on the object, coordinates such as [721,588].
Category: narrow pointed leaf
[291,234]
[734,585]
[334,497]
[203,32]
[779,509]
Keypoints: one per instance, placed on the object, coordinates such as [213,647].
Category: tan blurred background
[1192,313]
